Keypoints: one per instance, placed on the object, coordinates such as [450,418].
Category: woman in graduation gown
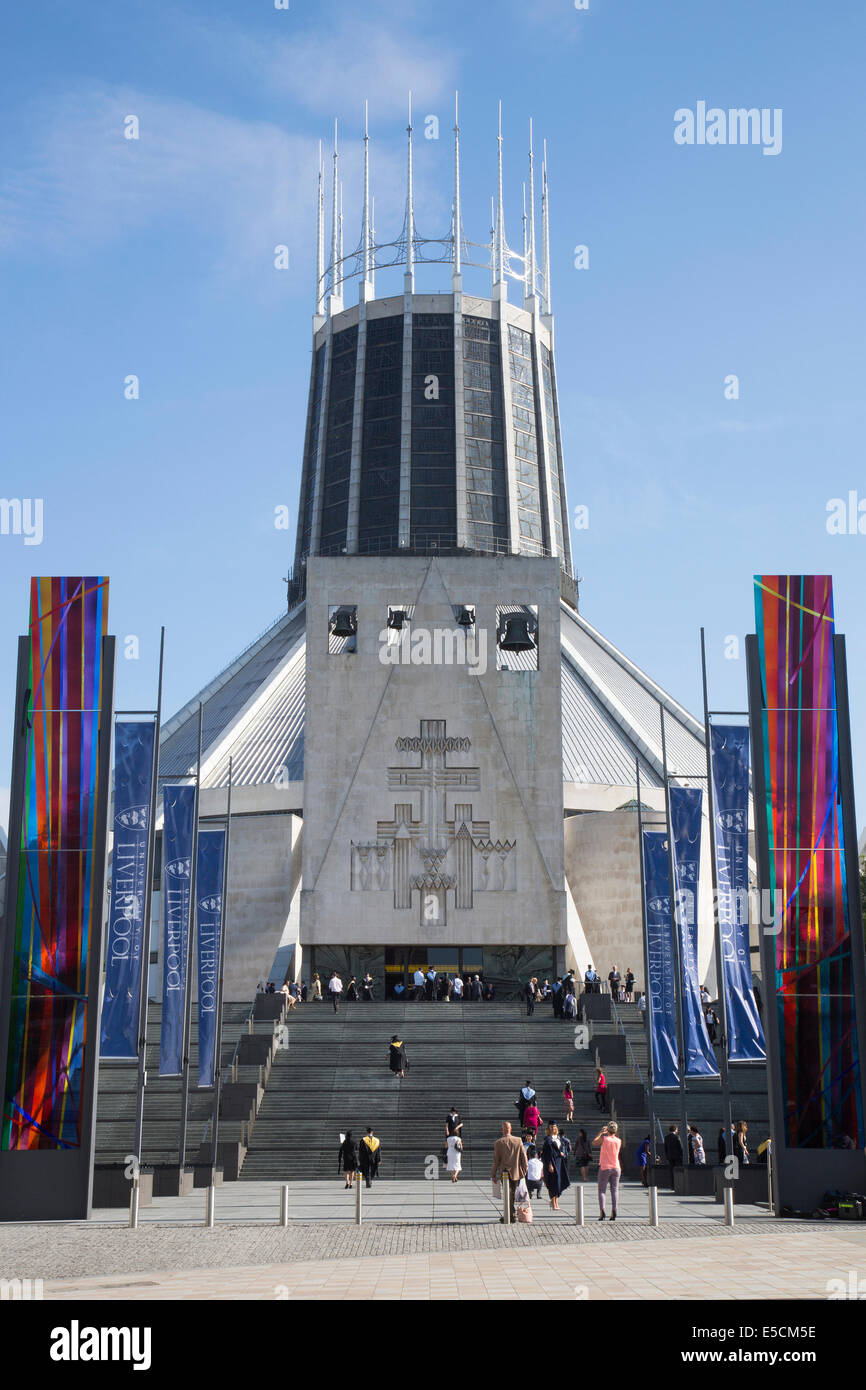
[554,1169]
[397,1057]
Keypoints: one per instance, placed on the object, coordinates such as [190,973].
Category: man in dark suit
[673,1150]
[509,1160]
[529,996]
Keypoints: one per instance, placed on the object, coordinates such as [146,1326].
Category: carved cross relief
[431,852]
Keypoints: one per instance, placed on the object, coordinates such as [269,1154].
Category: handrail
[234,1061]
[634,1061]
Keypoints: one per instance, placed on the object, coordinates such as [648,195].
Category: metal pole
[133,1205]
[187,1009]
[728,1194]
[645,936]
[211,1203]
[359,1209]
[653,1206]
[224,908]
[506,1198]
[766,938]
[727,1116]
[678,964]
[579,1213]
[284,1204]
[138,1132]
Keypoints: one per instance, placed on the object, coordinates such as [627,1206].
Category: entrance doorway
[401,963]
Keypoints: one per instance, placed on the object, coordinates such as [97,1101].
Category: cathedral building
[434,752]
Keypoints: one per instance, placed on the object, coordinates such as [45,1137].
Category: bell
[343,623]
[396,618]
[516,636]
[466,616]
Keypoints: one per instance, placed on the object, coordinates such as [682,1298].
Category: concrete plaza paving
[430,1241]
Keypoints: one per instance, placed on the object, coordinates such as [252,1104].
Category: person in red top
[608,1167]
[568,1097]
[532,1119]
[601,1089]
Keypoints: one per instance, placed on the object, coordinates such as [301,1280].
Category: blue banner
[729,745]
[661,986]
[126,952]
[177,836]
[209,904]
[686,804]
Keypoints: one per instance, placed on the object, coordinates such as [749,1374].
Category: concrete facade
[432,794]
[601,859]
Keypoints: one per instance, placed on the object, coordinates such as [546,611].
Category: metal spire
[531,268]
[320,239]
[545,234]
[340,272]
[456,263]
[335,227]
[500,214]
[525,263]
[409,277]
[492,239]
[366,240]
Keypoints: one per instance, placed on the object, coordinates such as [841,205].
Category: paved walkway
[791,1264]
[430,1240]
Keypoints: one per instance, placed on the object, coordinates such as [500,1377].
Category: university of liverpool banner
[661,991]
[685,803]
[127,954]
[179,803]
[209,902]
[729,746]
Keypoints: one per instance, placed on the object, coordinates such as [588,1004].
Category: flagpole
[727,1118]
[138,1137]
[678,964]
[187,1009]
[646,971]
[224,903]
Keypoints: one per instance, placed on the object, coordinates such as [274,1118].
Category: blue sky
[155,257]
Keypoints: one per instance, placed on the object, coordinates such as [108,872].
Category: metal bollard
[728,1193]
[133,1205]
[506,1198]
[210,1205]
[578,1204]
[284,1204]
[653,1205]
[770,1179]
[358,1200]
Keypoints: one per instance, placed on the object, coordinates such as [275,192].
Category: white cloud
[330,69]
[80,182]
[238,187]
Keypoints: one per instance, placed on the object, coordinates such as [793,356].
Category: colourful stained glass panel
[814,985]
[58,891]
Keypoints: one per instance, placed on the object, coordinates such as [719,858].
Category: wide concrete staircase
[290,1088]
[334,1076]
